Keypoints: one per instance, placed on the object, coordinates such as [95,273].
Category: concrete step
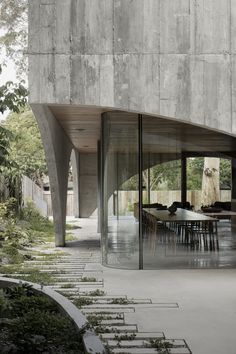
[93,266]
[151,351]
[132,343]
[134,305]
[113,322]
[100,298]
[76,285]
[136,351]
[102,310]
[128,328]
[138,335]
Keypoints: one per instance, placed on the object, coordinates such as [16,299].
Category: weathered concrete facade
[170,58]
[174,58]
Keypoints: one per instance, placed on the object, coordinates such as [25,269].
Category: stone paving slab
[88,310]
[93,266]
[136,351]
[138,305]
[127,328]
[138,335]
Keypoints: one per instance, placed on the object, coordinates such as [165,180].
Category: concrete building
[126,85]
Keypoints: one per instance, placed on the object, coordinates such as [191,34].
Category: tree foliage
[168,175]
[14,37]
[13,96]
[26,150]
[5,136]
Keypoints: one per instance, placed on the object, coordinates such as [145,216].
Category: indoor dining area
[168,196]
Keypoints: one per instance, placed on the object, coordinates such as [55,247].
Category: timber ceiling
[83,124]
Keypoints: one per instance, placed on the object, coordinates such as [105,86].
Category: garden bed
[39,320]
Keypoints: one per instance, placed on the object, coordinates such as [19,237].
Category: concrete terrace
[205,316]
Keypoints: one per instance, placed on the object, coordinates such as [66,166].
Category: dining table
[189,224]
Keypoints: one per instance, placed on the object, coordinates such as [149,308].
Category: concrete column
[75,173]
[99,181]
[87,184]
[57,148]
[233,193]
[183,179]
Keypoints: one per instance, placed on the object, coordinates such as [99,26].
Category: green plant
[67,286]
[96,292]
[18,291]
[36,220]
[125,336]
[88,279]
[33,323]
[70,237]
[161,345]
[120,301]
[82,301]
[72,227]
[35,276]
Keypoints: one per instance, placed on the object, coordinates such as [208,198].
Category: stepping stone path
[79,277]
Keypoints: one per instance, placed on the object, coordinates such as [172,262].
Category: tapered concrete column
[87,184]
[57,148]
[183,179]
[75,173]
[233,193]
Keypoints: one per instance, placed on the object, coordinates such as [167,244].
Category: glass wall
[161,153]
[148,165]
[120,196]
[204,191]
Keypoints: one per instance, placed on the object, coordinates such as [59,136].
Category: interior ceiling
[83,126]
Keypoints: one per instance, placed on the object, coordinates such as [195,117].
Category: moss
[88,279]
[72,227]
[82,301]
[96,292]
[68,286]
[35,276]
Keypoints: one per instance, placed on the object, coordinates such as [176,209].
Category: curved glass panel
[120,226]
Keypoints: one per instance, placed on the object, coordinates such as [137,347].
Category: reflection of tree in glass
[167,176]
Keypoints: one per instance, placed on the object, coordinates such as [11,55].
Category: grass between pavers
[72,227]
[68,286]
[31,275]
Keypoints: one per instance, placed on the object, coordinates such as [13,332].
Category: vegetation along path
[78,275]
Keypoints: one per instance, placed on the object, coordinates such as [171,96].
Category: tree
[211,181]
[26,150]
[5,137]
[13,97]
[194,173]
[225,174]
[14,37]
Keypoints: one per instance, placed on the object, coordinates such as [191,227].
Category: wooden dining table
[189,221]
[181,215]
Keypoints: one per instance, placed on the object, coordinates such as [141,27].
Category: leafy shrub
[18,232]
[35,276]
[36,220]
[9,208]
[34,324]
[18,291]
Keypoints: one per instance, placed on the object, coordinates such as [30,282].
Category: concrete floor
[167,251]
[206,317]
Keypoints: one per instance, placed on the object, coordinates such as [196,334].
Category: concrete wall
[175,58]
[87,184]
